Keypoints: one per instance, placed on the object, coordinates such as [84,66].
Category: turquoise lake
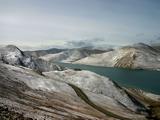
[143,79]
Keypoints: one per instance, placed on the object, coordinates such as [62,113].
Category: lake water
[143,79]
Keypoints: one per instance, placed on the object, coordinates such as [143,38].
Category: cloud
[140,34]
[158,38]
[78,43]
[85,42]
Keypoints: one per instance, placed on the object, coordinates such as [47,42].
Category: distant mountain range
[39,53]
[139,56]
[71,55]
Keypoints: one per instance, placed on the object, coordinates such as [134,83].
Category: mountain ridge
[14,56]
[70,55]
[140,56]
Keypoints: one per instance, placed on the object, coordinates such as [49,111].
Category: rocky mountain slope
[97,84]
[27,93]
[70,55]
[139,56]
[14,56]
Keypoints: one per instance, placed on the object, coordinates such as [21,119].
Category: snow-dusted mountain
[136,56]
[70,55]
[92,82]
[31,95]
[39,53]
[14,56]
[66,94]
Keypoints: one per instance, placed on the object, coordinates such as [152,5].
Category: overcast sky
[58,22]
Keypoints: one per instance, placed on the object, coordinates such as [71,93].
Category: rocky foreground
[26,92]
[65,94]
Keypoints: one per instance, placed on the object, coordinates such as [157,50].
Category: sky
[42,23]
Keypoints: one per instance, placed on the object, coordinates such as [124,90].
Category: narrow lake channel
[144,79]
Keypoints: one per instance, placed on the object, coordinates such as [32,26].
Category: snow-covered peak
[141,46]
[14,56]
[70,55]
[138,56]
[11,55]
[12,48]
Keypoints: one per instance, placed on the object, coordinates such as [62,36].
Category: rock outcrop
[14,56]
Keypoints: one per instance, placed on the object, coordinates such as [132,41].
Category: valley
[35,88]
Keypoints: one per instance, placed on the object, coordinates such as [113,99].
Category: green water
[143,79]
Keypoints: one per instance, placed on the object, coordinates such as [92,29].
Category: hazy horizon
[61,23]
